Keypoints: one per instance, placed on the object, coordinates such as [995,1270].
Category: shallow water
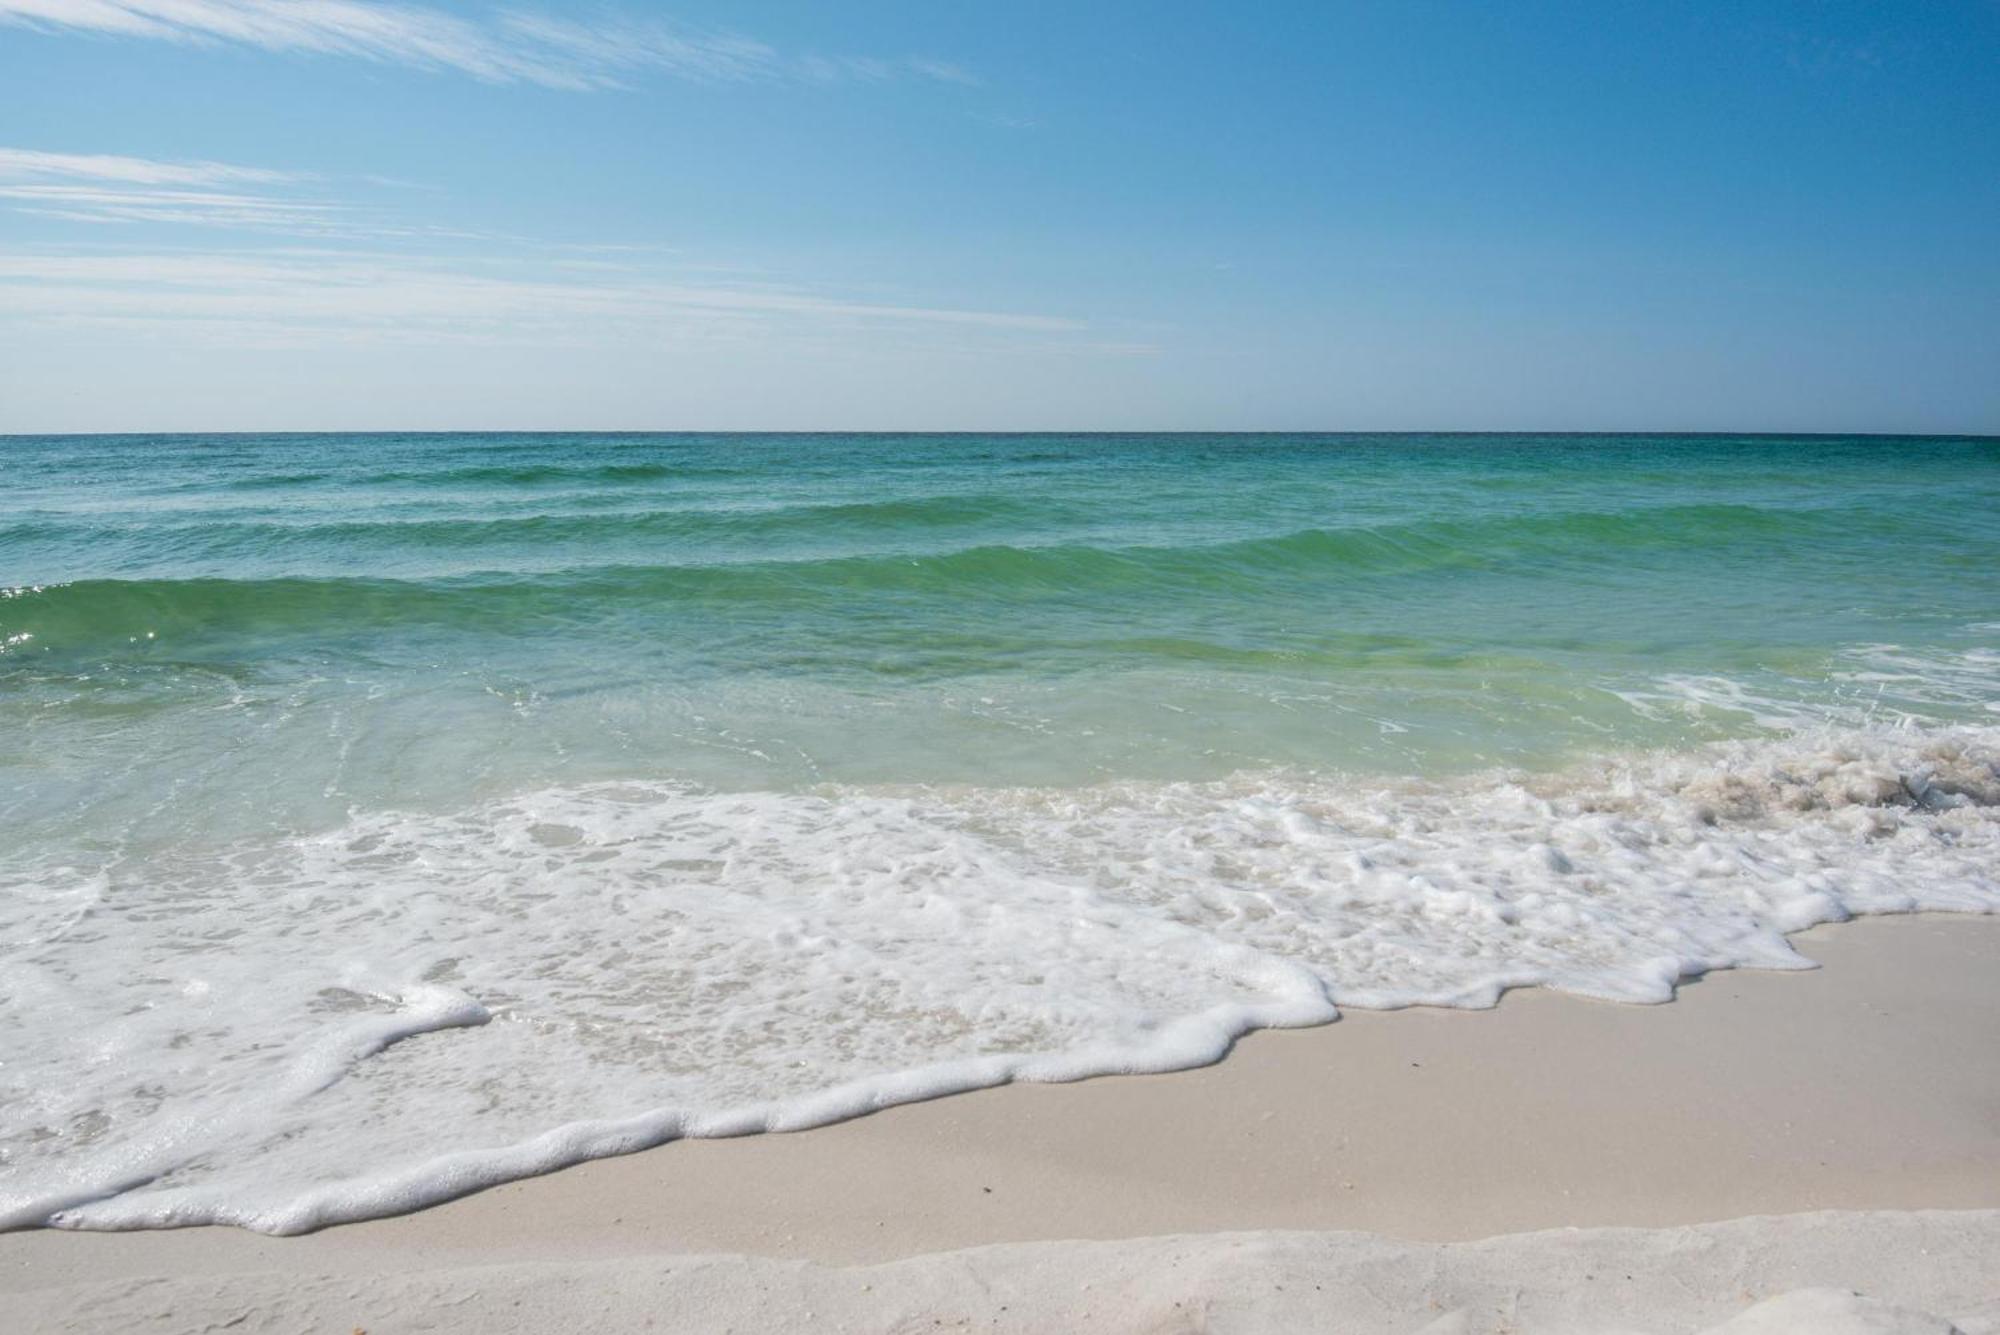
[386,815]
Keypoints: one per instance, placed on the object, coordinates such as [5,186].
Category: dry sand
[1921,1274]
[1872,1084]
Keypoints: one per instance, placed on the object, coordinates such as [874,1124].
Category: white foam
[1866,685]
[293,1033]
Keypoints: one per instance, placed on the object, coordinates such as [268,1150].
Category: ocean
[385,816]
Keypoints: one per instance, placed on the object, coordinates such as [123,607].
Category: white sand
[1794,1274]
[1871,1085]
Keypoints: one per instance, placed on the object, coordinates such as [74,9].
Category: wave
[694,534]
[719,556]
[264,482]
[540,474]
[413,1006]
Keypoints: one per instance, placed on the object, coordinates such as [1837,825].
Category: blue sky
[319,214]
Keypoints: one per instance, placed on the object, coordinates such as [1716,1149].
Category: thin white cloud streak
[299,297]
[113,190]
[27,164]
[601,52]
[405,35]
[196,208]
[518,47]
[110,189]
[944,71]
[523,292]
[203,208]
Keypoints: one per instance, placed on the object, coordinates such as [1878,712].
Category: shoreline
[1871,1083]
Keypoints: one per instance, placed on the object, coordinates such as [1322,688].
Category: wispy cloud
[307,296]
[599,53]
[107,189]
[426,38]
[205,208]
[512,47]
[508,288]
[350,271]
[944,71]
[30,164]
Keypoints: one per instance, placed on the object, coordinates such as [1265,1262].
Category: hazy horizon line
[1993,435]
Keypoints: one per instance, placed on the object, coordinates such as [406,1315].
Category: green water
[237,633]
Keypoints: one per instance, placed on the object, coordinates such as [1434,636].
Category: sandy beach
[1869,1085]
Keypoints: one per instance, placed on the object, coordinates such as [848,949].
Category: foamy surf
[287,1033]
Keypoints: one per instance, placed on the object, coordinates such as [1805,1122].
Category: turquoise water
[304,622]
[368,801]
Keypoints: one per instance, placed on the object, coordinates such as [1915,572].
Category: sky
[1407,215]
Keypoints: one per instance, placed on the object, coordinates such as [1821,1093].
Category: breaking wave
[289,1033]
